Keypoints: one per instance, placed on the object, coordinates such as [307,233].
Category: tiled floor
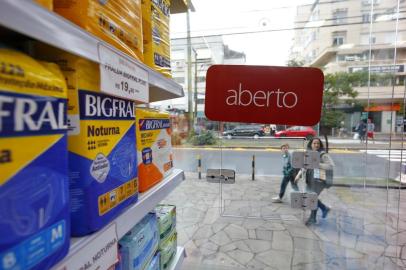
[364,230]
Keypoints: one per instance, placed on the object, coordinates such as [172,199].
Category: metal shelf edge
[132,215]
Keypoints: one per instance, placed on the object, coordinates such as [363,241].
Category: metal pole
[199,166]
[195,92]
[253,167]
[189,69]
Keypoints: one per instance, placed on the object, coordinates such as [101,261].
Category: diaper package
[117,22]
[155,263]
[34,196]
[166,219]
[154,149]
[101,139]
[155,24]
[167,248]
[48,4]
[139,245]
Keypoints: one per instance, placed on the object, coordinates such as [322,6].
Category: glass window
[367,39]
[340,16]
[339,38]
[369,2]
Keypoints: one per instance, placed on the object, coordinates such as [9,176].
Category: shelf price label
[100,253]
[121,77]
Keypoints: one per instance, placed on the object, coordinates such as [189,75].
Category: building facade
[359,36]
[206,51]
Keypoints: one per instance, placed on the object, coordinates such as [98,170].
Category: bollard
[253,167]
[199,166]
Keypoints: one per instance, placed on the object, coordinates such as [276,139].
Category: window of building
[339,38]
[400,80]
[338,41]
[388,54]
[367,39]
[340,57]
[369,2]
[340,16]
[366,17]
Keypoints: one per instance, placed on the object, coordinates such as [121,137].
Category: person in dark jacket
[362,130]
[313,181]
[289,174]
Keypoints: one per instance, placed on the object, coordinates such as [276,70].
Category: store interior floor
[366,228]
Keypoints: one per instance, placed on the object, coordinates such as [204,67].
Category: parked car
[297,131]
[245,130]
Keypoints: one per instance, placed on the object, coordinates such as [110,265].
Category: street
[269,162]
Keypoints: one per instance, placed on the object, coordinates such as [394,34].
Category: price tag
[100,253]
[122,77]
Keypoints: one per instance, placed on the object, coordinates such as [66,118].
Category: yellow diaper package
[154,148]
[34,190]
[101,144]
[117,22]
[155,24]
[48,4]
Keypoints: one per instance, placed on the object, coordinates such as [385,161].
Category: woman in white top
[313,182]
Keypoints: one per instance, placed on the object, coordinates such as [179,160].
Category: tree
[336,86]
[341,84]
[295,63]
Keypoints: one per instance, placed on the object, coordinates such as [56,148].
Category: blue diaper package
[34,193]
[139,245]
[101,141]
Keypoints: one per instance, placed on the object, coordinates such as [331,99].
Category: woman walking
[313,181]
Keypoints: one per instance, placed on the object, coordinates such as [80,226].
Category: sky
[264,46]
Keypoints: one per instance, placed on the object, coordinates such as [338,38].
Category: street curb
[369,186]
[270,149]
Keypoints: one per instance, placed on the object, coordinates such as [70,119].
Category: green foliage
[295,63]
[339,89]
[331,118]
[205,138]
[341,84]
[336,86]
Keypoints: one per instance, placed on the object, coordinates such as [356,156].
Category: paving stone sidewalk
[238,227]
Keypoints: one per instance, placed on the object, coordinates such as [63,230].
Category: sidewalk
[363,230]
[381,143]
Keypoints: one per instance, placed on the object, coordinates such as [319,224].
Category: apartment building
[354,36]
[206,51]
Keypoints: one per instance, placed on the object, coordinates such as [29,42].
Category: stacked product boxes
[71,156]
[151,244]
[101,136]
[154,148]
[34,198]
[139,30]
[167,234]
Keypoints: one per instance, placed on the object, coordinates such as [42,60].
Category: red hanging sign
[264,94]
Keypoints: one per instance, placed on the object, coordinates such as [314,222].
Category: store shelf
[123,223]
[178,260]
[30,19]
